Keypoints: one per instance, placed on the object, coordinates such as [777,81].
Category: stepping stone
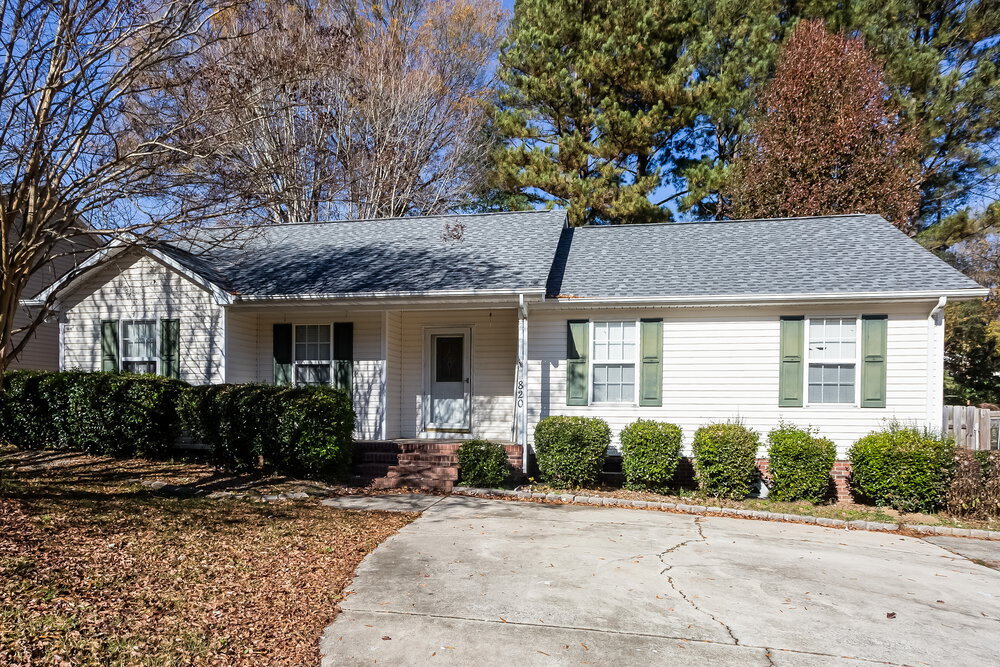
[400,502]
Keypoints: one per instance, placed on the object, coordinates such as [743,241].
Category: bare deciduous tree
[355,108]
[90,148]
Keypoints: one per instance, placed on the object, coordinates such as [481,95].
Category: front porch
[436,373]
[415,463]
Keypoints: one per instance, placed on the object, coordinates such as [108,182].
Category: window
[139,346]
[614,362]
[833,352]
[313,354]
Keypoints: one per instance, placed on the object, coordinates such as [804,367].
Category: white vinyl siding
[722,363]
[141,288]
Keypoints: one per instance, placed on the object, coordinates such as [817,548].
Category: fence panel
[972,427]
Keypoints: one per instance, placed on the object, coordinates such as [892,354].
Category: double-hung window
[313,354]
[614,355]
[833,360]
[139,347]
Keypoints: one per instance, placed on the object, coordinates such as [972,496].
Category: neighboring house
[481,325]
[42,350]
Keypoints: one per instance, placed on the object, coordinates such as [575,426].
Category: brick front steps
[431,465]
[567,498]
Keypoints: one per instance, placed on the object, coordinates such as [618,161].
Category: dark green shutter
[793,330]
[577,354]
[651,370]
[282,352]
[170,348]
[874,329]
[343,356]
[109,345]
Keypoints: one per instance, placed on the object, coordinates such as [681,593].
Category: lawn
[95,568]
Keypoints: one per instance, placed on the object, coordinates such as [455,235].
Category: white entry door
[449,380]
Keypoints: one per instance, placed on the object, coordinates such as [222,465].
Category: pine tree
[591,98]
[825,139]
[942,65]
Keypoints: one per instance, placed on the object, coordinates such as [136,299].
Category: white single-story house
[481,325]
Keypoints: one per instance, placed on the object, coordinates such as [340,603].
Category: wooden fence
[972,427]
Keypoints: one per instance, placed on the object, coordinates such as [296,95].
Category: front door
[449,380]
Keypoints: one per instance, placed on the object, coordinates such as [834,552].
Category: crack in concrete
[676,589]
[767,650]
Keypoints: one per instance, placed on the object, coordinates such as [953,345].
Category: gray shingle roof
[533,251]
[499,251]
[820,255]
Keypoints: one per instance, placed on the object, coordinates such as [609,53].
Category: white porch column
[520,396]
[935,366]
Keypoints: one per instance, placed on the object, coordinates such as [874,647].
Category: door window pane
[448,359]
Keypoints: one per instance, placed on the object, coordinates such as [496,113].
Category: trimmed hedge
[293,430]
[483,464]
[902,467]
[800,463]
[116,414]
[725,459]
[650,453]
[974,491]
[570,451]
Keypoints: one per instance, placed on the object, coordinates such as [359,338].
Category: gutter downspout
[935,365]
[520,397]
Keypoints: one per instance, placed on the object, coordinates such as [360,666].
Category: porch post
[520,398]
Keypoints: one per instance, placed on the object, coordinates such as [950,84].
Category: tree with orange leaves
[826,138]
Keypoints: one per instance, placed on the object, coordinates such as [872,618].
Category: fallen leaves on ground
[95,570]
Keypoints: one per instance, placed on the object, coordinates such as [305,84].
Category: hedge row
[901,467]
[116,414]
[293,430]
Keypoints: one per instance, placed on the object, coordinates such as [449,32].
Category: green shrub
[292,430]
[650,452]
[800,463]
[974,490]
[116,414]
[483,464]
[725,459]
[570,451]
[902,467]
[315,427]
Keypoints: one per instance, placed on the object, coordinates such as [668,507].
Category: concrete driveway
[482,582]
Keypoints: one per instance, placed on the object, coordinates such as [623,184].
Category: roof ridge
[394,218]
[729,221]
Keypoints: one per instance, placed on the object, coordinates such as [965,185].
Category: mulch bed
[94,569]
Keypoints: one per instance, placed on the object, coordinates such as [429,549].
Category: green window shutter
[109,345]
[282,349]
[790,378]
[343,356]
[170,348]
[577,354]
[651,371]
[874,329]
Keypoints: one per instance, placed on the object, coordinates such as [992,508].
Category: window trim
[856,361]
[311,362]
[122,359]
[592,363]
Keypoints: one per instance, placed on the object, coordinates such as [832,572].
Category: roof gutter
[736,299]
[332,296]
